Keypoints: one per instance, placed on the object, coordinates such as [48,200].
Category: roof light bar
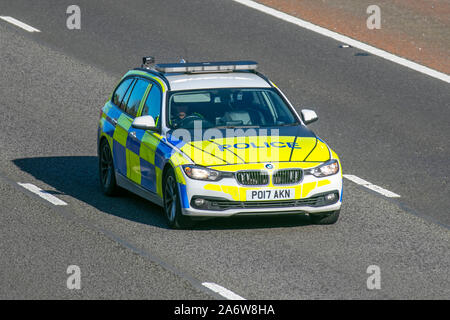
[202,67]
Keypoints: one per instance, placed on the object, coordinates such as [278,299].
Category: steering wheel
[189,121]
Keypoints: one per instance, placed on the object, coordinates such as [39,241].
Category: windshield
[229,107]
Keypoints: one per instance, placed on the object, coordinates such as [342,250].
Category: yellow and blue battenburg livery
[215,139]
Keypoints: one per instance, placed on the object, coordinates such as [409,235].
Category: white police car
[215,139]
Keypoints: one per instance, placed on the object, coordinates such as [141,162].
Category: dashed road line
[43,194]
[371,186]
[349,41]
[68,213]
[19,24]
[224,292]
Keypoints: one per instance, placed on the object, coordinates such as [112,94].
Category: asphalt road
[390,126]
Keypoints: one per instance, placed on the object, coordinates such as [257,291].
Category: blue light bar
[201,67]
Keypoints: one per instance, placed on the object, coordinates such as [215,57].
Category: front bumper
[230,197]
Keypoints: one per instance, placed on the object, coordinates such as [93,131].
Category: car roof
[187,81]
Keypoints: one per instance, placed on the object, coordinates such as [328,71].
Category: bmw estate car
[215,139]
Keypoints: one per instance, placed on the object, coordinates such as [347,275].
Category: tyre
[325,218]
[108,183]
[172,203]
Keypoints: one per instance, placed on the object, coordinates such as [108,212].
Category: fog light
[199,202]
[330,197]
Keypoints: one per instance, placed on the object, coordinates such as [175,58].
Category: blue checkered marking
[120,157]
[148,175]
[134,145]
[163,152]
[183,196]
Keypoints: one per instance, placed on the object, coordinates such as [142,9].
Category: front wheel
[106,170]
[325,218]
[172,203]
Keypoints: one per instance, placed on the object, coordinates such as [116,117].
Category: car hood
[222,147]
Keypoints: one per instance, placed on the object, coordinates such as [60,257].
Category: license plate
[270,194]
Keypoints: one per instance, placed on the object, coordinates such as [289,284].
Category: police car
[215,139]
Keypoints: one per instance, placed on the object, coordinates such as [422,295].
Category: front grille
[289,176]
[252,178]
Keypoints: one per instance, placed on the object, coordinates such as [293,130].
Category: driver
[181,113]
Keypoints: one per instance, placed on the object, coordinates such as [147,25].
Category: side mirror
[144,123]
[309,116]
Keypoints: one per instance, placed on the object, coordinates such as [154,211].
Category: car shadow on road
[77,176]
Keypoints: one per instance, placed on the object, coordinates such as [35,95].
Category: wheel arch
[102,137]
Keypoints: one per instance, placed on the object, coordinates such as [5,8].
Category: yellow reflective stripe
[250,149]
[306,144]
[145,74]
[212,187]
[259,152]
[133,167]
[323,183]
[320,153]
[177,159]
[144,98]
[120,135]
[124,121]
[149,143]
[179,175]
[307,187]
[233,191]
[121,131]
[200,157]
[158,181]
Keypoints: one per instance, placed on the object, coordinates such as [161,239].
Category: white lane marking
[349,41]
[224,292]
[20,24]
[371,186]
[43,194]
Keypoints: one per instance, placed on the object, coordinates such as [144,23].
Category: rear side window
[125,99]
[152,106]
[136,96]
[121,91]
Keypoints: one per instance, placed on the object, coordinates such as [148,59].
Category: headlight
[327,169]
[201,173]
